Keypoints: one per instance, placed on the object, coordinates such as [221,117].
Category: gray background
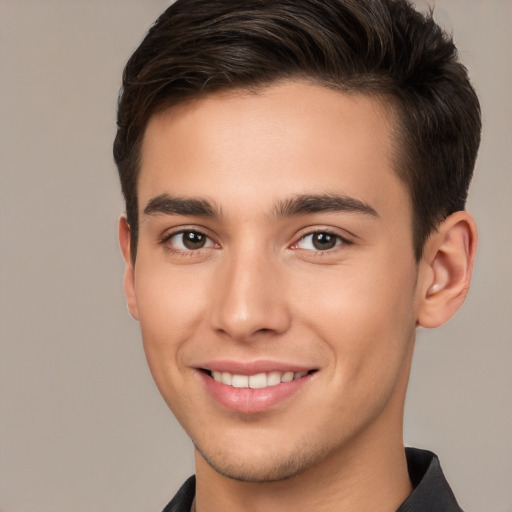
[82,426]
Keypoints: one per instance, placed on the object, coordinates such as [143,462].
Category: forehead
[285,139]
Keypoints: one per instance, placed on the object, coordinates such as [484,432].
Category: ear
[445,269]
[129,271]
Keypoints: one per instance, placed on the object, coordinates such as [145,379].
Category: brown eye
[193,240]
[189,240]
[324,241]
[319,241]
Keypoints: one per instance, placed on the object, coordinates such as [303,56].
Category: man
[295,173]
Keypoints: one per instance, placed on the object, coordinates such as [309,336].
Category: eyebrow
[169,205]
[306,204]
[319,203]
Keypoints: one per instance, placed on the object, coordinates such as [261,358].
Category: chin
[258,469]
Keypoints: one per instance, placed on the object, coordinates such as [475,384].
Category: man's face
[275,243]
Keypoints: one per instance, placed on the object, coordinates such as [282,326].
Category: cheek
[168,299]
[365,318]
[170,307]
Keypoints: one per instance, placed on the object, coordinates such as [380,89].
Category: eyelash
[166,242]
[339,241]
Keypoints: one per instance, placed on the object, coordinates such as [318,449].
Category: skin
[259,289]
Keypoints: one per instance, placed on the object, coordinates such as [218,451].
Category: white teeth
[257,381]
[287,377]
[226,378]
[273,378]
[240,381]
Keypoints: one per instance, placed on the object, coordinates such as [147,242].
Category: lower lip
[248,400]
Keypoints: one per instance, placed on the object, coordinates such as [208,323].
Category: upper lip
[253,367]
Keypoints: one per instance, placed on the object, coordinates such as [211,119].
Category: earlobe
[445,269]
[129,272]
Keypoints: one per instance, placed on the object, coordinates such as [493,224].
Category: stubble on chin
[268,467]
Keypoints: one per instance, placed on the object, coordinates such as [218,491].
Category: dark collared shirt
[431,490]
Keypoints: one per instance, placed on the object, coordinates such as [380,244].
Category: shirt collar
[431,490]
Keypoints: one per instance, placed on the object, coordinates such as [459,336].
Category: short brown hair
[377,47]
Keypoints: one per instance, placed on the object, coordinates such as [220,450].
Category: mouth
[257,392]
[257,381]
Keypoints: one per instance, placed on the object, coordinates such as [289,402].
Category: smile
[253,391]
[257,381]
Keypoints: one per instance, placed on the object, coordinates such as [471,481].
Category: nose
[250,299]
